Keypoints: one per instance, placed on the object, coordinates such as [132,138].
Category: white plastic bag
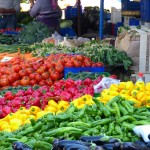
[105,84]
[143,131]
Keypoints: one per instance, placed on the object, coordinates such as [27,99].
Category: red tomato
[16,83]
[69,64]
[22,73]
[25,81]
[49,81]
[32,82]
[41,70]
[59,68]
[38,78]
[15,76]
[4,82]
[87,63]
[42,83]
[10,79]
[99,64]
[77,63]
[80,57]
[17,68]
[45,75]
[55,75]
[52,69]
[32,75]
[29,70]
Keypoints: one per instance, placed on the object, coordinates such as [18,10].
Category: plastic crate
[130,5]
[71,12]
[145,10]
[67,31]
[134,22]
[80,69]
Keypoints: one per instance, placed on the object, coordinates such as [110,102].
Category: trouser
[8,21]
[51,22]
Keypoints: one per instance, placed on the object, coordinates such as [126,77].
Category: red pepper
[6,110]
[9,95]
[69,83]
[87,81]
[65,96]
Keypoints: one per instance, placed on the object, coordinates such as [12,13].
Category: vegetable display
[34,32]
[110,121]
[139,93]
[18,71]
[84,75]
[97,51]
[62,90]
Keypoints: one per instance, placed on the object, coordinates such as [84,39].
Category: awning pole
[101,20]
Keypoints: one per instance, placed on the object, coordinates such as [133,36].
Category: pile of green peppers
[116,119]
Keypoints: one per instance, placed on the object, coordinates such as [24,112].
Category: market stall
[62,93]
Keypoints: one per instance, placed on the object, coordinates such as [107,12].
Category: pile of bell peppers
[139,92]
[114,119]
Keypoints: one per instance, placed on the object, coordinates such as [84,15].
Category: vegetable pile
[62,90]
[138,93]
[18,71]
[97,51]
[34,32]
[116,119]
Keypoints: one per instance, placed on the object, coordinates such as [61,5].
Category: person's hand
[31,3]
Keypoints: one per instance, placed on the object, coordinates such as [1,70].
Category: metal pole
[101,20]
[79,17]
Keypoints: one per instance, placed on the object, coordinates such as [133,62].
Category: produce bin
[80,69]
[67,31]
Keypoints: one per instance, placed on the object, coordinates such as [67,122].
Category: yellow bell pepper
[22,117]
[127,92]
[141,96]
[32,117]
[61,102]
[140,84]
[62,107]
[51,109]
[34,110]
[15,122]
[40,114]
[52,103]
[114,93]
[114,87]
[148,86]
[5,127]
[121,85]
[134,93]
[129,85]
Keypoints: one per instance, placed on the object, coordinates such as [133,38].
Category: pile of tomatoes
[43,71]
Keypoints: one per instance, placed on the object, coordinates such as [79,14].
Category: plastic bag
[143,131]
[105,84]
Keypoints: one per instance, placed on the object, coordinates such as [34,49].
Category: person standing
[47,12]
[8,10]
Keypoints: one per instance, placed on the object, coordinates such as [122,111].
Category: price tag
[6,59]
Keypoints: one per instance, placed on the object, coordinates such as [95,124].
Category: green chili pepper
[37,126]
[141,122]
[112,111]
[130,118]
[128,107]
[62,130]
[140,117]
[128,126]
[115,105]
[79,123]
[118,130]
[102,122]
[111,128]
[27,131]
[122,110]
